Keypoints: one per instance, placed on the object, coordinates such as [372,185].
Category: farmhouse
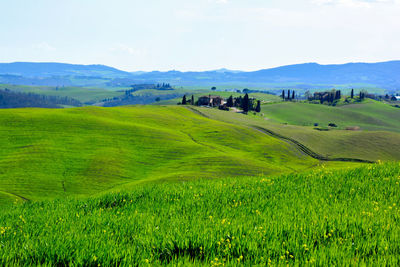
[211,100]
[397,98]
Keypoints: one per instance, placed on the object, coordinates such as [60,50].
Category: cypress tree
[337,95]
[352,93]
[245,103]
[293,95]
[192,102]
[184,100]
[288,94]
[229,103]
[283,94]
[258,108]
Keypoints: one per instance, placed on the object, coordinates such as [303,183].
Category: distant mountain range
[30,69]
[383,74]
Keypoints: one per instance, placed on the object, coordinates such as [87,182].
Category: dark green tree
[213,88]
[229,102]
[362,95]
[192,102]
[184,100]
[352,93]
[258,108]
[293,95]
[239,101]
[245,103]
[288,94]
[283,94]
[337,95]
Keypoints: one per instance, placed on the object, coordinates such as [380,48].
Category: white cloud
[128,50]
[44,46]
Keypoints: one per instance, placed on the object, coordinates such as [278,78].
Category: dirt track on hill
[297,144]
[305,149]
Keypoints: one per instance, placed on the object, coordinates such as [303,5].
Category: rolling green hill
[369,115]
[329,217]
[379,144]
[47,153]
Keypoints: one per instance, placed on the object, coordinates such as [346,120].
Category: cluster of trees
[329,96]
[186,102]
[362,95]
[143,99]
[387,97]
[289,96]
[245,103]
[163,86]
[10,99]
[248,91]
[391,98]
[158,86]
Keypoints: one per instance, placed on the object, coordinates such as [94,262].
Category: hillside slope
[381,142]
[47,153]
[371,115]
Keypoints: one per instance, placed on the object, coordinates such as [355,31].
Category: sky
[148,35]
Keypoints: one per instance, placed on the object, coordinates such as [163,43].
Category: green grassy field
[184,185]
[48,153]
[369,115]
[379,144]
[321,217]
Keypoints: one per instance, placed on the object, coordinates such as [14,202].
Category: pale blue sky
[199,34]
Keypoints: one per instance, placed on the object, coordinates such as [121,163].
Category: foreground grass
[341,217]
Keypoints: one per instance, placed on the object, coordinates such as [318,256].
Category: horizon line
[204,70]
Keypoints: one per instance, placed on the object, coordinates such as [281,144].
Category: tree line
[10,99]
[327,96]
[158,86]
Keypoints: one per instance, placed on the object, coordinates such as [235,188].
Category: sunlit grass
[322,217]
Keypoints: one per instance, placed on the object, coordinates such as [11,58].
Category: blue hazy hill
[32,69]
[381,74]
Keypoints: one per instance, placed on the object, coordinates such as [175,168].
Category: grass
[369,115]
[379,144]
[320,217]
[48,153]
[83,94]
